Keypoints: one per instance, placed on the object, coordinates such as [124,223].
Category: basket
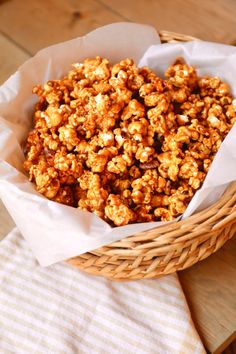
[168,248]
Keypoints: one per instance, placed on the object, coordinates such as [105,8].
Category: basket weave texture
[169,248]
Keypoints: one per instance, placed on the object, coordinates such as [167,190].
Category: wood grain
[43,23]
[210,289]
[10,58]
[206,19]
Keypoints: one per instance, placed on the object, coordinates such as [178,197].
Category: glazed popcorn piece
[125,144]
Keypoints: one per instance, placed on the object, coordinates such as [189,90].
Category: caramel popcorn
[123,143]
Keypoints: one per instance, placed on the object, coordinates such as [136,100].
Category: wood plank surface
[210,289]
[11,57]
[37,24]
[205,19]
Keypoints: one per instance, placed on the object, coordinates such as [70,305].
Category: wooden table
[210,289]
[27,26]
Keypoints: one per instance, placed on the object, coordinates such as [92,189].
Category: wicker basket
[169,248]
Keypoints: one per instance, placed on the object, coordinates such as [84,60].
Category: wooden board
[37,24]
[210,289]
[206,19]
[11,57]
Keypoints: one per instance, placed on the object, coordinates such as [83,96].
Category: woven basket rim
[172,37]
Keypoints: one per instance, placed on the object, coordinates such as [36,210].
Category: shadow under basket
[168,248]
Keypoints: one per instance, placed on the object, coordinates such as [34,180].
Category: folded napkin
[60,310]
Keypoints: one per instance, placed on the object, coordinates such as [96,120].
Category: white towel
[61,310]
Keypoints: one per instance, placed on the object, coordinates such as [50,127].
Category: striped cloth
[60,310]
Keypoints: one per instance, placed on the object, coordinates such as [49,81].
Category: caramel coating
[125,144]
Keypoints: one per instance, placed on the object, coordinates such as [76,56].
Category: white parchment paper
[56,232]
